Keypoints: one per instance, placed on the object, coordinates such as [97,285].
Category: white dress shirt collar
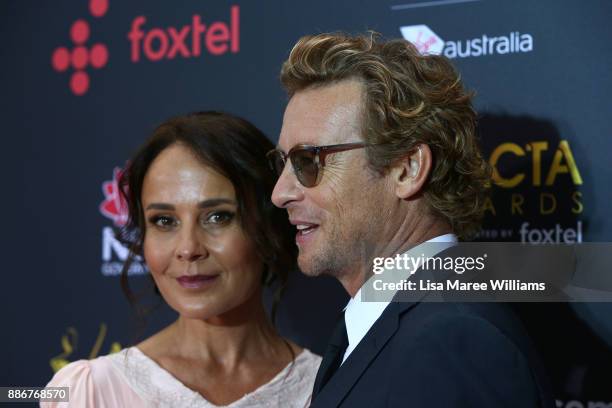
[360,316]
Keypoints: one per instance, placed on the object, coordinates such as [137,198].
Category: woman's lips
[196,281]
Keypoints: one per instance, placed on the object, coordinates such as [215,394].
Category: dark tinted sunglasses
[307,161]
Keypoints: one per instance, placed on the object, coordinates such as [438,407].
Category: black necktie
[333,356]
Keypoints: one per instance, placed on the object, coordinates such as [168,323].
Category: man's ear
[410,173]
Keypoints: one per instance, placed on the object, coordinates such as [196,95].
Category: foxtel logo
[428,42]
[160,43]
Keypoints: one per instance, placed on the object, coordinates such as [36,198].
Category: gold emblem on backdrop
[562,163]
[69,342]
[536,195]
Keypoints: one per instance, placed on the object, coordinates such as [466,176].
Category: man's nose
[287,188]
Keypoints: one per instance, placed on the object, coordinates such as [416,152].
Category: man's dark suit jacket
[439,355]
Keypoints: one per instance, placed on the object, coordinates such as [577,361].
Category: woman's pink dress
[131,379]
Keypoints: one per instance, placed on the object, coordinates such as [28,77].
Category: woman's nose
[190,248]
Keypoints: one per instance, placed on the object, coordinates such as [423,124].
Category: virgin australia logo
[423,38]
[428,42]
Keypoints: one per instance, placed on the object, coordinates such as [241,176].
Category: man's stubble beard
[345,250]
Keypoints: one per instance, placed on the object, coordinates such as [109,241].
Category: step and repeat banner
[84,82]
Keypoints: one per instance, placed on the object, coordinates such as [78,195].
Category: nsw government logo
[428,42]
[114,253]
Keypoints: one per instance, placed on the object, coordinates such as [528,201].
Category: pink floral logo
[114,205]
[81,56]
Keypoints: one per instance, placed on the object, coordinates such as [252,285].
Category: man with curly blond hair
[384,160]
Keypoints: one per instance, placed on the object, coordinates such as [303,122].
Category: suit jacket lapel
[334,391]
[331,392]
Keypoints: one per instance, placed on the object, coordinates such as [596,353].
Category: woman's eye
[219,218]
[162,221]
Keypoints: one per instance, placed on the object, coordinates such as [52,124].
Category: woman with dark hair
[198,193]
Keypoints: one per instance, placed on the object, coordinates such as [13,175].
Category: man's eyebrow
[304,143]
[213,202]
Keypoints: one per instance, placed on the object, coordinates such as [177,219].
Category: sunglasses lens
[305,167]
[276,161]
